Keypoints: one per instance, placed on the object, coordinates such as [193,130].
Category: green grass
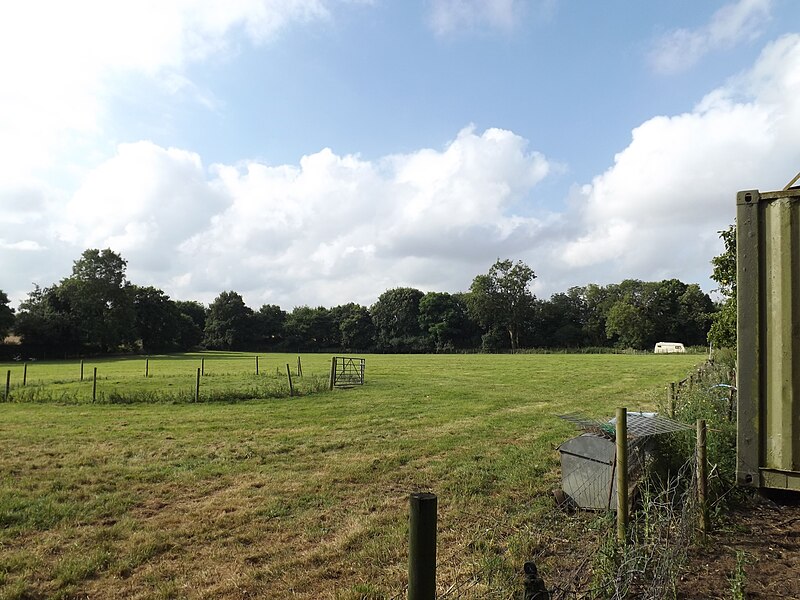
[300,497]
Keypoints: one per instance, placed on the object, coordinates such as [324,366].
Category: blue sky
[322,151]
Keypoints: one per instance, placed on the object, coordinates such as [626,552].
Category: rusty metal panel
[768,331]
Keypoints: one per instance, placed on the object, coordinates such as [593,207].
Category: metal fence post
[622,474]
[422,546]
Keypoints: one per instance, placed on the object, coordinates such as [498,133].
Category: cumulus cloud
[330,229]
[656,210]
[65,53]
[680,49]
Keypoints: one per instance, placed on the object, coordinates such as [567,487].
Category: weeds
[738,579]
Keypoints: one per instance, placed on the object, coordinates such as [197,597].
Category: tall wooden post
[24,374]
[702,476]
[672,400]
[81,369]
[289,376]
[299,367]
[333,372]
[197,386]
[422,546]
[202,366]
[94,384]
[8,385]
[256,365]
[622,474]
[146,368]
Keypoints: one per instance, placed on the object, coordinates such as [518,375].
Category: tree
[354,325]
[228,322]
[443,317]
[6,315]
[157,319]
[503,299]
[396,319]
[44,322]
[723,322]
[269,325]
[98,301]
[191,323]
[309,328]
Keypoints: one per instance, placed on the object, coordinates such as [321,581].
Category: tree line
[97,310]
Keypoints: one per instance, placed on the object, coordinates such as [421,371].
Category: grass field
[301,497]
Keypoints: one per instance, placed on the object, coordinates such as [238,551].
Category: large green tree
[723,322]
[99,301]
[158,320]
[503,299]
[6,315]
[396,319]
[443,317]
[355,327]
[228,324]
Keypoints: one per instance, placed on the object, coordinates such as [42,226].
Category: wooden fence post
[197,386]
[333,372]
[673,397]
[289,375]
[203,366]
[81,369]
[256,365]
[146,368]
[8,385]
[622,474]
[24,374]
[422,546]
[94,384]
[299,367]
[702,476]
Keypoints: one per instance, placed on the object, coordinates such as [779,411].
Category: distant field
[301,497]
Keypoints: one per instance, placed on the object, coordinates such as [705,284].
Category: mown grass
[301,497]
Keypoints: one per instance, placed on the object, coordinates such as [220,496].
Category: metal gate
[347,371]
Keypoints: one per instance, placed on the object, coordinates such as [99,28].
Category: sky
[318,152]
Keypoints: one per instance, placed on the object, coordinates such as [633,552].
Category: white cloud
[330,229]
[453,16]
[679,49]
[658,208]
[59,57]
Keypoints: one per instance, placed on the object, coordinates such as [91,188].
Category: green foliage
[723,325]
[6,315]
[738,580]
[158,322]
[355,327]
[228,322]
[396,319]
[503,299]
[310,329]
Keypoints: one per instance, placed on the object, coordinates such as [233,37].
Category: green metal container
[768,331]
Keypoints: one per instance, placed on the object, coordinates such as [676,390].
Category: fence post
[422,546]
[256,365]
[146,368]
[702,476]
[622,474]
[672,400]
[94,384]
[24,374]
[81,369]
[333,372]
[197,386]
[8,385]
[203,366]
[299,367]
[289,375]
